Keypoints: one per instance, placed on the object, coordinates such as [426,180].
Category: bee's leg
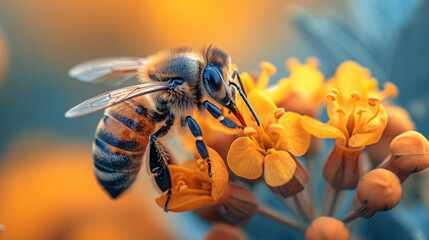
[217,113]
[168,200]
[201,146]
[235,73]
[158,159]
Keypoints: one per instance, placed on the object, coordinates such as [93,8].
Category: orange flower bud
[409,154]
[225,232]
[398,121]
[378,190]
[343,167]
[327,228]
[236,205]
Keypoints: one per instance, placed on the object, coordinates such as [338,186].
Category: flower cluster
[278,152]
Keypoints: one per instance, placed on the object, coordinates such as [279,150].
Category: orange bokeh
[48,191]
[247,30]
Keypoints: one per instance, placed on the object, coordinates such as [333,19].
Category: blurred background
[47,186]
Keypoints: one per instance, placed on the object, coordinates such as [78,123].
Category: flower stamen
[278,113]
[201,164]
[374,102]
[268,69]
[357,126]
[276,131]
[331,98]
[342,114]
[351,122]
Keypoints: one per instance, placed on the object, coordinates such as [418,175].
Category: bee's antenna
[239,81]
[245,100]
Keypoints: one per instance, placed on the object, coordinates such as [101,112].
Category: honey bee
[172,85]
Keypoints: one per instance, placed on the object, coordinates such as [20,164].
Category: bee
[138,118]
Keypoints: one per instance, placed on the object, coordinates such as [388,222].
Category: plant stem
[327,196]
[384,163]
[310,188]
[302,207]
[334,202]
[350,217]
[274,215]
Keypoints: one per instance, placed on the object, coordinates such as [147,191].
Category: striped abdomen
[120,142]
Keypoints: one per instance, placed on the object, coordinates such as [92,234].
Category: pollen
[334,91]
[183,188]
[201,164]
[372,101]
[250,131]
[355,95]
[331,97]
[279,112]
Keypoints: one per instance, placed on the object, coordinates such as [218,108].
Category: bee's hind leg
[201,146]
[158,160]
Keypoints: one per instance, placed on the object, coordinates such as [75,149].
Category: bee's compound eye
[212,77]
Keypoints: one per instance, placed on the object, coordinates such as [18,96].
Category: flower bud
[327,228]
[398,121]
[225,232]
[378,190]
[409,154]
[343,167]
[236,205]
[296,184]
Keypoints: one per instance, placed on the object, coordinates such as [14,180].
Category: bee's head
[216,78]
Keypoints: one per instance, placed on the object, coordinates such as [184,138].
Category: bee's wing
[112,71]
[114,97]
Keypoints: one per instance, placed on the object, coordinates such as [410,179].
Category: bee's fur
[123,133]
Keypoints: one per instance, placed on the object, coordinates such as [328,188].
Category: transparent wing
[111,71]
[114,97]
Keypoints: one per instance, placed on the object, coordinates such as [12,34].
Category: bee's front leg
[217,113]
[201,146]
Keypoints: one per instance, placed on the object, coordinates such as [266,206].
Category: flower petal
[281,91]
[248,82]
[244,160]
[295,140]
[319,129]
[183,202]
[262,105]
[220,174]
[279,168]
[370,133]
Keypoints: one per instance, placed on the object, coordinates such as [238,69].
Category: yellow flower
[356,116]
[271,147]
[191,185]
[301,92]
[261,82]
[304,79]
[351,77]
